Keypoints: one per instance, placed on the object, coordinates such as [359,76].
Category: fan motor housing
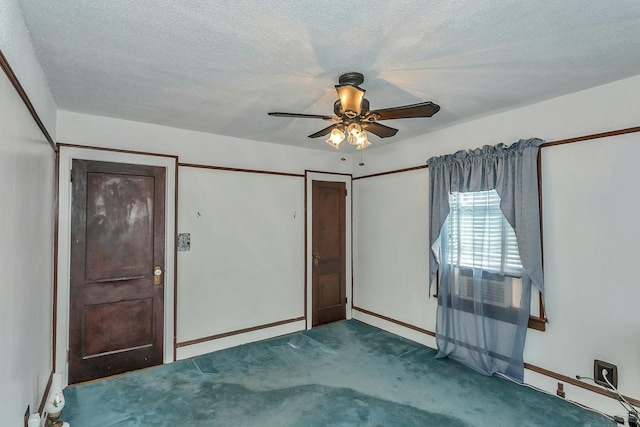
[352,78]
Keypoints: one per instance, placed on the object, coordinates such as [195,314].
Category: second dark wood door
[329,252]
[117,269]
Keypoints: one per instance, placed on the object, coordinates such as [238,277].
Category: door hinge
[346,192]
[346,300]
[67,355]
[73,172]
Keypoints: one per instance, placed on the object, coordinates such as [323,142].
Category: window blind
[479,235]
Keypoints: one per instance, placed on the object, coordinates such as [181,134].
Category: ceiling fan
[353,117]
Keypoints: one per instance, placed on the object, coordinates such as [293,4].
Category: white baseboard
[239,339]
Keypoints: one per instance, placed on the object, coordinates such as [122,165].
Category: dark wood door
[117,269]
[329,252]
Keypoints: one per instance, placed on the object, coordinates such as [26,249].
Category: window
[486,332]
[479,236]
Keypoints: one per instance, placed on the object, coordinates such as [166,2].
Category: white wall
[591,247]
[384,207]
[590,205]
[27,182]
[245,267]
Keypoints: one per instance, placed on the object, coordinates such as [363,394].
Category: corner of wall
[17,47]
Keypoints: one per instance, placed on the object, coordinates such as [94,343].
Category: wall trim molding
[397,322]
[223,168]
[392,172]
[175,262]
[330,173]
[592,136]
[237,332]
[575,382]
[11,75]
[56,224]
[117,150]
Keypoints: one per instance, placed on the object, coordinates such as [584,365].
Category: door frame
[309,177]
[66,156]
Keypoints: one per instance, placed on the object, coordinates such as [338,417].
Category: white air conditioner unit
[497,289]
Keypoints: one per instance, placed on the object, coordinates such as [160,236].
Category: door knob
[157,275]
[315,257]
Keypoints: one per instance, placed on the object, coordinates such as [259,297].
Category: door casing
[321,176]
[66,155]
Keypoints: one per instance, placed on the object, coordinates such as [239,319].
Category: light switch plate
[184,242]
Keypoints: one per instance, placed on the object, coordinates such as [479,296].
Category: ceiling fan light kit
[337,136]
[353,118]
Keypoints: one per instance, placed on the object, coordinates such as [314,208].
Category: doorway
[62,344]
[328,252]
[117,268]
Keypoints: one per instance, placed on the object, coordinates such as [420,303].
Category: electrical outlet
[612,373]
[26,415]
[560,391]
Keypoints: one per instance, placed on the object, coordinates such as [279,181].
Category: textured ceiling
[220,66]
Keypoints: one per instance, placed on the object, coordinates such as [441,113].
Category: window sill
[537,323]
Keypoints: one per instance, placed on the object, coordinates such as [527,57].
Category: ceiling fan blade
[423,109]
[381,130]
[323,132]
[365,106]
[301,116]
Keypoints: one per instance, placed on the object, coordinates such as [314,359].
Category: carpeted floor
[342,374]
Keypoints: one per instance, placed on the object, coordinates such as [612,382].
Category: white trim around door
[67,154]
[320,176]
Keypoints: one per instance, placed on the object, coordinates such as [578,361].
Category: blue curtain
[472,329]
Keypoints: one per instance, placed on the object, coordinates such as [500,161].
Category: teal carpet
[342,374]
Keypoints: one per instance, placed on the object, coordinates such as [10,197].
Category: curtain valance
[513,172]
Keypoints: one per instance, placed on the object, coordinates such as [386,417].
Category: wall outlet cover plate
[612,373]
